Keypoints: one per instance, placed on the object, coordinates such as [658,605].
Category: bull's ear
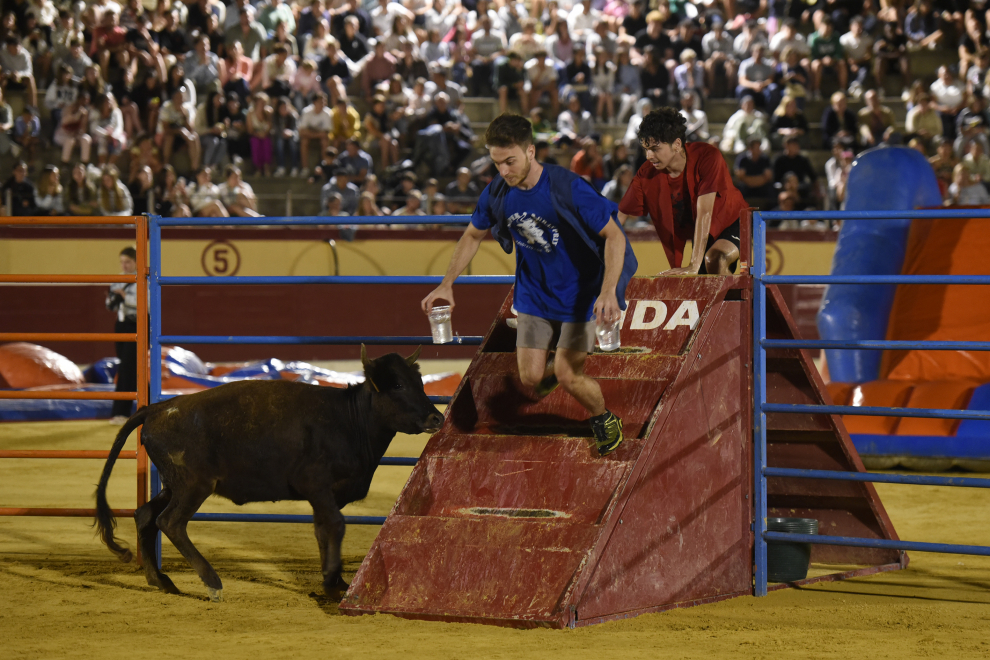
[365,362]
[411,360]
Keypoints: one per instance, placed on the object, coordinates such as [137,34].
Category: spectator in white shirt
[527,43]
[789,36]
[486,46]
[541,78]
[383,17]
[481,10]
[697,120]
[315,123]
[858,48]
[16,69]
[716,48]
[950,98]
[746,40]
[582,21]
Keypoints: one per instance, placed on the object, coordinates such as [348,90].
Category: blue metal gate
[762,406]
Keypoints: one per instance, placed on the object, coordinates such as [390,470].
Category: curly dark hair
[662,126]
[509,130]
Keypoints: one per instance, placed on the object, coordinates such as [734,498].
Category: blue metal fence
[762,406]
[157,339]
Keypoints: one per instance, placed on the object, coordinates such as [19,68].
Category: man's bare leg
[532,363]
[568,366]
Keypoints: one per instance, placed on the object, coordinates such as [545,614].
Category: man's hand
[686,270]
[607,308]
[442,292]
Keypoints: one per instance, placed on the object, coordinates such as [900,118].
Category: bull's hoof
[216,595]
[335,589]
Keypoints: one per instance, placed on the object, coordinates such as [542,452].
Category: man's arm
[702,225]
[465,250]
[607,305]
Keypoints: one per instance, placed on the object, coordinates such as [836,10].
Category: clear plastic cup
[440,325]
[608,334]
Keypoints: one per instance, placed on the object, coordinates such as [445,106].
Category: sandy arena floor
[63,595]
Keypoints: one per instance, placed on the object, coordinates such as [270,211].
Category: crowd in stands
[160,105]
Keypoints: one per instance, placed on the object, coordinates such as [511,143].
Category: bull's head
[400,399]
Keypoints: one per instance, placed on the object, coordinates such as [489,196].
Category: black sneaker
[547,385]
[608,432]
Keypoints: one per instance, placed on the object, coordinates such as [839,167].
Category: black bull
[264,441]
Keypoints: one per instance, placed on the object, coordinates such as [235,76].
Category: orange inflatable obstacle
[931,379]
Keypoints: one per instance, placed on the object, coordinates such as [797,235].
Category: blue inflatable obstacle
[883,179]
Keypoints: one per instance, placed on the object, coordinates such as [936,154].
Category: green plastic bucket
[788,562]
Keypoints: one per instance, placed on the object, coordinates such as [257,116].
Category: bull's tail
[105,522]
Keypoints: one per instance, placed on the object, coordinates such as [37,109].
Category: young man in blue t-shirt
[572,262]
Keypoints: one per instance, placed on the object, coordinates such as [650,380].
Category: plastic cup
[608,334]
[440,325]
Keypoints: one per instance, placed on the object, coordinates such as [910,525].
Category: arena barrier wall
[771,410]
[511,518]
[158,339]
[140,223]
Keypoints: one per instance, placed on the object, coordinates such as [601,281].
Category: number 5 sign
[221,258]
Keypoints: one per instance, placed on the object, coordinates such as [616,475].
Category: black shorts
[731,234]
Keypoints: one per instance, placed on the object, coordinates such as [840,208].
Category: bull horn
[411,360]
[365,362]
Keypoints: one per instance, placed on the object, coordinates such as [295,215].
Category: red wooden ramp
[511,518]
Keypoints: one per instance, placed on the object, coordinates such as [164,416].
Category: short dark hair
[662,126]
[509,130]
[129,252]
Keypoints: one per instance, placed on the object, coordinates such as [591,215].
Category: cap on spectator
[439,197]
[747,97]
[409,176]
[415,193]
[715,20]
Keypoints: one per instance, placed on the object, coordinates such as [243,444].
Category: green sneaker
[608,432]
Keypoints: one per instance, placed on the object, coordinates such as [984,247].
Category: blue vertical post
[759,397]
[155,330]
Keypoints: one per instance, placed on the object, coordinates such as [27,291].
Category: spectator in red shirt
[687,191]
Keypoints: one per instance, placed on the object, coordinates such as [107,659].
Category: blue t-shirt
[557,276]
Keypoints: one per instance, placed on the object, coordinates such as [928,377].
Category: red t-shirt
[673,203]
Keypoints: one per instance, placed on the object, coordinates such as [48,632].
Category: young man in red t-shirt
[687,191]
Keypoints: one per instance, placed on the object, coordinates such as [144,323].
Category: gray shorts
[535,332]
